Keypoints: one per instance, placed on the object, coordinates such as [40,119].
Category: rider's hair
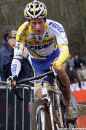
[35,9]
[8,30]
[43,18]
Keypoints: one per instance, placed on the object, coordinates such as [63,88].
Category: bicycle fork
[59,110]
[57,94]
[51,115]
[60,114]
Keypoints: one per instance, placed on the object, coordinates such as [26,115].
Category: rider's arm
[16,62]
[63,47]
[18,50]
[61,41]
[64,55]
[64,50]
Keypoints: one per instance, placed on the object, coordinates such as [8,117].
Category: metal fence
[15,114]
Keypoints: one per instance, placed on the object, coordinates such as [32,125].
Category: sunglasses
[12,37]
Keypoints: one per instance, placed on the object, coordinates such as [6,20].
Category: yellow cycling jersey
[54,36]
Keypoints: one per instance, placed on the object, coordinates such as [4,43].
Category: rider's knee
[39,91]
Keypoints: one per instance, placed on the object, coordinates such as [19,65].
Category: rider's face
[37,26]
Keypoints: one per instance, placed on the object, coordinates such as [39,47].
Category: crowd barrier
[14,113]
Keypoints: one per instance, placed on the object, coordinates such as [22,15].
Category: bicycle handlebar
[21,82]
[28,79]
[34,78]
[3,83]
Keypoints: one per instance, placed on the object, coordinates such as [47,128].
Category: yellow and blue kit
[43,50]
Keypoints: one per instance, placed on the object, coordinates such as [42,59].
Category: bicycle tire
[37,106]
[74,102]
[72,125]
[56,118]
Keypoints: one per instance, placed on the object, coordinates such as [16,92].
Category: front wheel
[40,116]
[75,106]
[72,125]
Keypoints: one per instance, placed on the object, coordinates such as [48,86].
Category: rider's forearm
[64,55]
[16,62]
[15,68]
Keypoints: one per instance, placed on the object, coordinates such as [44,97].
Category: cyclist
[47,42]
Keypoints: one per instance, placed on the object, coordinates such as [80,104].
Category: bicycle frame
[55,90]
[49,99]
[56,93]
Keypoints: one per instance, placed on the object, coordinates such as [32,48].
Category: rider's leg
[39,91]
[64,85]
[65,89]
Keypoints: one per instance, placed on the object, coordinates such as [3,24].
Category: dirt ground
[82,109]
[81,122]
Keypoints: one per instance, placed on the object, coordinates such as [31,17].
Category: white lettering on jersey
[59,31]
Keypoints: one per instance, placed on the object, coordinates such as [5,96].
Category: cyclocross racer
[47,43]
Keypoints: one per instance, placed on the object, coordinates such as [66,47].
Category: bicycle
[50,108]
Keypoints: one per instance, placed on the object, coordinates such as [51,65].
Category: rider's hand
[57,65]
[13,83]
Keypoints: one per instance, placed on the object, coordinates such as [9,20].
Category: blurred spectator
[6,52]
[70,62]
[80,66]
[84,60]
[72,74]
[82,72]
[70,70]
[77,62]
[76,69]
[0,68]
[6,55]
